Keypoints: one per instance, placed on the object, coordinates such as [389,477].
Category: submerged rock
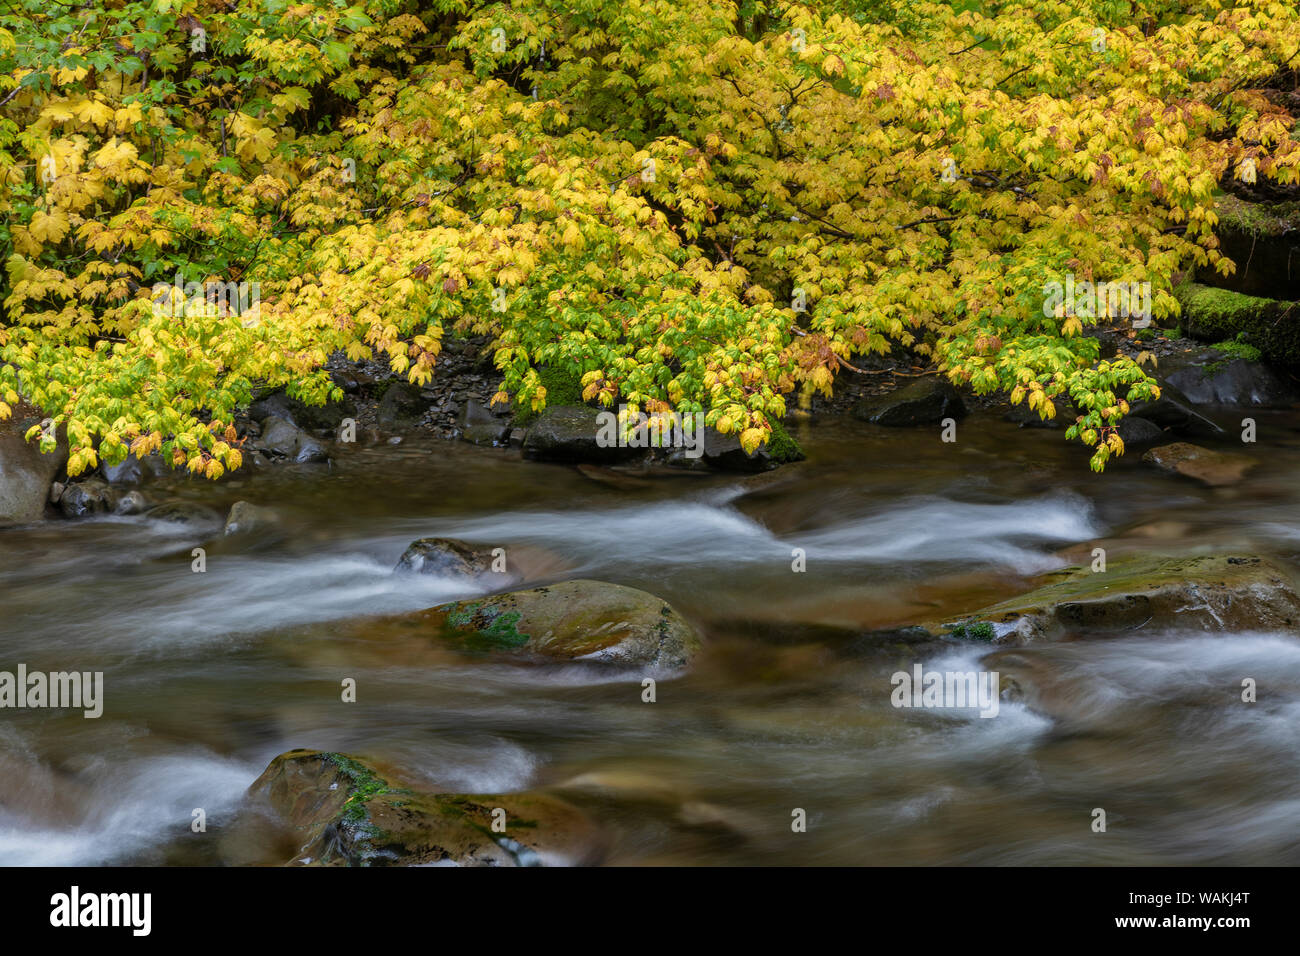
[345,811]
[246,518]
[574,620]
[1213,468]
[184,512]
[927,401]
[1207,593]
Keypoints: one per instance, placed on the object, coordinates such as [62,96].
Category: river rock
[283,438]
[186,513]
[345,812]
[568,433]
[1173,412]
[444,557]
[26,475]
[1225,593]
[927,401]
[402,407]
[1213,468]
[325,417]
[88,497]
[1211,377]
[579,620]
[246,518]
[131,503]
[1140,432]
[479,425]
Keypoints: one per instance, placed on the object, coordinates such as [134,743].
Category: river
[209,675]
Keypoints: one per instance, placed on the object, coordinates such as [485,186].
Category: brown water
[208,676]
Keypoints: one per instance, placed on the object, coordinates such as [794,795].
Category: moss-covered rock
[1217,315]
[1263,241]
[1207,593]
[573,620]
[344,811]
[563,387]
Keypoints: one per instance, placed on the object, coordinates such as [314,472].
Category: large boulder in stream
[1224,593]
[571,621]
[573,433]
[927,401]
[344,811]
[25,474]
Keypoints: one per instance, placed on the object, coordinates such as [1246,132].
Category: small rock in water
[284,438]
[92,496]
[132,503]
[445,557]
[1213,468]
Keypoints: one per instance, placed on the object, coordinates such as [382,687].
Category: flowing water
[210,675]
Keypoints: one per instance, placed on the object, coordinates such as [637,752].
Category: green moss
[485,626]
[973,631]
[1257,219]
[1238,349]
[363,785]
[782,447]
[1217,315]
[563,387]
[1146,335]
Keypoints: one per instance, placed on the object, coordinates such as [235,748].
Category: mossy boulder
[344,811]
[1223,593]
[1263,241]
[574,620]
[927,401]
[1217,315]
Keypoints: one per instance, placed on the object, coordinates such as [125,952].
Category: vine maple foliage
[698,205]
